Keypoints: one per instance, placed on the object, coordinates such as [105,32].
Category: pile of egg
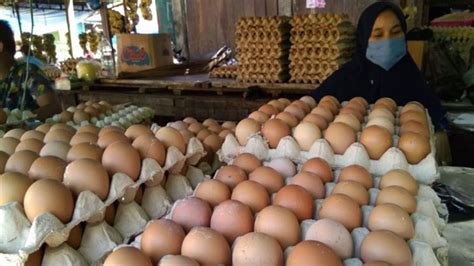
[250,214]
[74,175]
[102,114]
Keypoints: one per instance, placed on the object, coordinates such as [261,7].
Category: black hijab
[360,77]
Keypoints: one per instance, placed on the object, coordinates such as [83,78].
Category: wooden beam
[71,25]
[180,29]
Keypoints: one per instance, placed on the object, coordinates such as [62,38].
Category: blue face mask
[386,53]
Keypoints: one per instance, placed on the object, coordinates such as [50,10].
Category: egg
[284,166]
[15,133]
[187,135]
[274,130]
[357,174]
[315,253]
[20,162]
[382,122]
[121,157]
[210,121]
[75,236]
[47,167]
[393,218]
[213,142]
[136,131]
[353,109]
[401,178]
[247,162]
[216,129]
[358,106]
[324,112]
[277,104]
[48,195]
[331,98]
[44,128]
[361,100]
[150,147]
[284,101]
[329,105]
[414,146]
[340,136]
[342,209]
[189,120]
[382,112]
[171,137]
[415,127]
[332,234]
[413,115]
[319,167]
[413,106]
[311,182]
[202,134]
[267,177]
[383,245]
[160,238]
[3,161]
[13,186]
[306,134]
[246,128]
[35,258]
[251,194]
[350,120]
[295,111]
[84,151]
[207,247]
[84,137]
[256,249]
[87,174]
[229,125]
[191,212]
[259,116]
[58,135]
[33,145]
[93,112]
[289,119]
[302,105]
[231,175]
[387,102]
[174,260]
[232,219]
[80,115]
[376,140]
[398,196]
[57,149]
[268,109]
[127,256]
[179,125]
[318,120]
[195,127]
[32,134]
[212,191]
[354,190]
[278,223]
[310,101]
[108,129]
[110,137]
[297,199]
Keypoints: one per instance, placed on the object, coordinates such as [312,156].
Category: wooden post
[104,15]
[179,22]
[71,25]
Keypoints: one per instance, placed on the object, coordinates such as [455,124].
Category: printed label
[315,3]
[134,55]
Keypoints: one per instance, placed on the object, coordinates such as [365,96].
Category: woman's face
[386,26]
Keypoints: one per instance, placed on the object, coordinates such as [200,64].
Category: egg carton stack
[320,44]
[61,201]
[462,38]
[229,72]
[262,47]
[246,215]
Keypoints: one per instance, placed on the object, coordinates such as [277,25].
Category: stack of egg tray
[224,72]
[320,44]
[262,47]
[462,38]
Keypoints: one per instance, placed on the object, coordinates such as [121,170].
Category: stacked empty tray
[263,44]
[227,71]
[320,44]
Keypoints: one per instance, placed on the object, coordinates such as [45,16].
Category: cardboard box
[140,52]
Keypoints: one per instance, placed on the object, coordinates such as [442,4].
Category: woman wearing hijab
[382,67]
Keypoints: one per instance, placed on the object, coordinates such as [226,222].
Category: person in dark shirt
[23,85]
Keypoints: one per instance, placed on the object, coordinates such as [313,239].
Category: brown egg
[318,167]
[415,127]
[247,162]
[108,129]
[162,237]
[121,157]
[274,130]
[49,195]
[350,120]
[329,105]
[245,128]
[305,134]
[310,252]
[35,258]
[324,112]
[267,177]
[63,127]
[388,102]
[278,223]
[75,237]
[127,256]
[259,116]
[136,131]
[15,133]
[210,121]
[376,140]
[398,196]
[80,115]
[32,134]
[414,146]
[340,136]
[268,109]
[58,135]
[413,116]
[382,112]
[353,109]
[20,162]
[277,104]
[256,249]
[195,127]
[311,182]
[232,219]
[213,142]
[357,174]
[289,119]
[44,128]
[297,199]
[191,212]
[150,147]
[212,191]
[47,167]
[354,190]
[84,151]
[187,135]
[87,174]
[332,234]
[382,122]
[216,129]
[393,218]
[174,260]
[13,187]
[284,101]
[295,111]
[93,112]
[207,247]
[57,149]
[179,125]
[385,246]
[223,134]
[33,145]
[229,125]
[171,137]
[251,194]
[361,100]
[358,106]
[189,120]
[310,101]
[413,106]
[3,161]
[302,105]
[331,98]
[401,178]
[231,175]
[83,137]
[110,137]
[203,133]
[317,120]
[343,209]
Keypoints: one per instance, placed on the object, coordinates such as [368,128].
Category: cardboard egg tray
[19,237]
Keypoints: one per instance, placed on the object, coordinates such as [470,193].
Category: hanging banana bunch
[83,42]
[116,22]
[49,47]
[132,14]
[68,43]
[93,38]
[145,9]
